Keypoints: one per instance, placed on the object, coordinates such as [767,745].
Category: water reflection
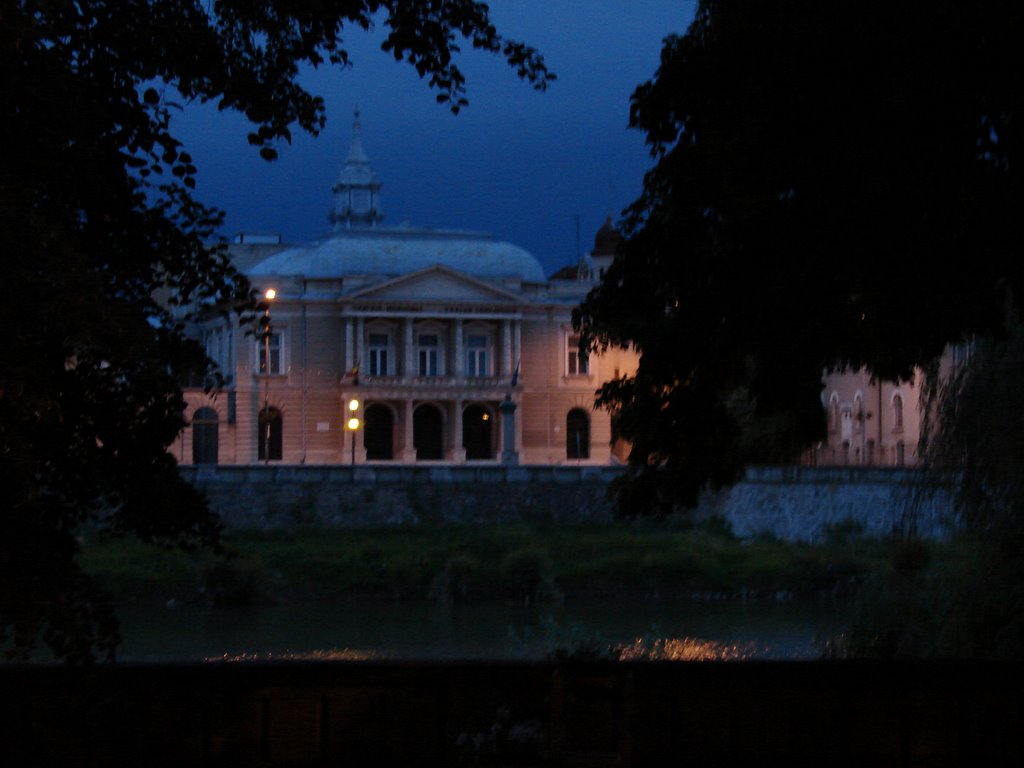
[604,629]
[689,649]
[334,654]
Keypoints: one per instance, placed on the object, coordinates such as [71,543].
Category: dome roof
[393,252]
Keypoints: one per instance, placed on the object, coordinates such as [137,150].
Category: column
[408,452]
[458,364]
[506,349]
[408,352]
[458,451]
[509,454]
[349,350]
[360,342]
[517,342]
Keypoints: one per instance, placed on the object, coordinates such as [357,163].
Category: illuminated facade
[870,423]
[456,348]
[875,423]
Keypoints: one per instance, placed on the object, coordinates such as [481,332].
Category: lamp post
[269,296]
[353,425]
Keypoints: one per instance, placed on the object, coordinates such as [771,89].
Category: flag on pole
[515,374]
[353,374]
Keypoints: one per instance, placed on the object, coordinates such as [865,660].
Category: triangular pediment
[437,284]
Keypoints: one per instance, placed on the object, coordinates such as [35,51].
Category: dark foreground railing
[558,714]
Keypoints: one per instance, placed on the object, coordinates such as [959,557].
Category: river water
[635,629]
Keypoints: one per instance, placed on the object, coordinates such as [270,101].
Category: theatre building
[403,345]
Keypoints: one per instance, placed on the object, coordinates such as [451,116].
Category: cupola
[357,193]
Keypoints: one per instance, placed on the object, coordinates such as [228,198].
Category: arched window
[846,423]
[204,436]
[897,412]
[833,413]
[428,433]
[378,433]
[268,435]
[577,434]
[477,430]
[858,413]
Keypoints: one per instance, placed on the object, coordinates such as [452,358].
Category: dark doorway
[204,436]
[377,436]
[476,432]
[427,435]
[577,434]
[269,435]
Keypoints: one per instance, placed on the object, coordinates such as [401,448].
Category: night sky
[516,163]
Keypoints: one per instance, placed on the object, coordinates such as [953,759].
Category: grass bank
[464,563]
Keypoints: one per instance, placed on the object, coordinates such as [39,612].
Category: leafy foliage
[106,255]
[974,428]
[973,443]
[832,188]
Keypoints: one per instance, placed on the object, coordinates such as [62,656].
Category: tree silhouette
[833,187]
[105,254]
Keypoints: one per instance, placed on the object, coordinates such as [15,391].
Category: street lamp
[270,295]
[353,425]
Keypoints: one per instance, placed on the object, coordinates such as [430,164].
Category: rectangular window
[429,354]
[379,344]
[270,344]
[218,349]
[229,357]
[577,363]
[476,356]
[213,347]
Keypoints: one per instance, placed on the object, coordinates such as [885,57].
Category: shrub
[528,575]
[844,531]
[716,525]
[234,581]
[457,581]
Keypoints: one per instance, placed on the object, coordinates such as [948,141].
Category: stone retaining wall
[808,503]
[792,503]
[369,495]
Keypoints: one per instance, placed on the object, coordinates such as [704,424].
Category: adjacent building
[876,423]
[403,345]
[870,422]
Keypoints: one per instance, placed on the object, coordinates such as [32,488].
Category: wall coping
[447,474]
[453,474]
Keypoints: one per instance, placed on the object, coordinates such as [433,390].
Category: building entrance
[428,433]
[378,435]
[204,436]
[477,433]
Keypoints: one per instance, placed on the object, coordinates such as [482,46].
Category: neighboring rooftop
[607,239]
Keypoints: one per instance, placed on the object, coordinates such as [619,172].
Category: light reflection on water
[607,629]
[688,649]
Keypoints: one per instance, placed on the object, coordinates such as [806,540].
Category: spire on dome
[356,153]
[357,193]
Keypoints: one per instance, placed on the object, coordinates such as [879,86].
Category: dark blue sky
[516,163]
